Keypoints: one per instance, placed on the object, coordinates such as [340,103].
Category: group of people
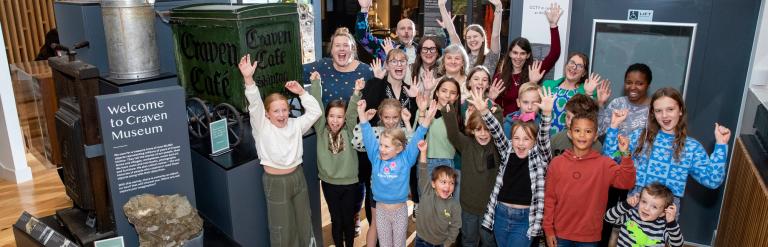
[474,137]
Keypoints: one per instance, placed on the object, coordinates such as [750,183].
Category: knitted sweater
[340,168]
[636,118]
[661,166]
[636,232]
[336,85]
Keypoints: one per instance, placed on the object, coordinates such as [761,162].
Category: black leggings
[343,205]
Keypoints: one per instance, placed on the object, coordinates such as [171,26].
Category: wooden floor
[40,197]
[45,194]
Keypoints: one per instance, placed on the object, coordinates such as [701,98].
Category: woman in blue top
[576,79]
[341,70]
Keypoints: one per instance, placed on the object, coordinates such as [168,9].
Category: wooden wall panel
[25,23]
[745,204]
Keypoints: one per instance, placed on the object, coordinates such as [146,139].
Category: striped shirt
[636,232]
[538,160]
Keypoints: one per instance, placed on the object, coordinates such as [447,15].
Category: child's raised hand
[547,101]
[361,113]
[247,68]
[294,87]
[430,114]
[722,134]
[378,69]
[478,101]
[623,144]
[370,113]
[553,14]
[591,83]
[405,115]
[359,85]
[603,92]
[422,146]
[670,213]
[618,116]
[422,101]
[535,73]
[388,45]
[314,76]
[633,200]
[412,91]
[496,88]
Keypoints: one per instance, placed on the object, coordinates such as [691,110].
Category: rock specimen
[167,220]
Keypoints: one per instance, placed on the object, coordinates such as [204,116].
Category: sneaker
[415,211]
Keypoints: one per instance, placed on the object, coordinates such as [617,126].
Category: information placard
[110,242]
[146,148]
[219,137]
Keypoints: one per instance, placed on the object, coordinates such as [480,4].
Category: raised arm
[457,139]
[553,16]
[351,114]
[499,139]
[317,92]
[311,106]
[365,38]
[255,104]
[612,133]
[710,171]
[496,33]
[447,22]
[618,215]
[624,175]
[546,105]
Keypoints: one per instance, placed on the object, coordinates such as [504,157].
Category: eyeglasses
[574,65]
[398,62]
[428,49]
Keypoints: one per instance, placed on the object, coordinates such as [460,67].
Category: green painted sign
[210,39]
[219,136]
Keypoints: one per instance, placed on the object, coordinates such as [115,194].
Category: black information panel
[146,148]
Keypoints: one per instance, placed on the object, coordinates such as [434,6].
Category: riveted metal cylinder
[130,35]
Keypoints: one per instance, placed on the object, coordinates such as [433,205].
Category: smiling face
[447,93]
[650,207]
[390,117]
[454,63]
[405,31]
[527,101]
[636,87]
[478,82]
[388,147]
[482,135]
[522,141]
[583,133]
[667,113]
[342,51]
[444,186]
[518,56]
[428,53]
[335,119]
[396,66]
[278,113]
[575,68]
[475,40]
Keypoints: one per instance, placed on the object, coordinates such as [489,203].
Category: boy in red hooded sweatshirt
[577,182]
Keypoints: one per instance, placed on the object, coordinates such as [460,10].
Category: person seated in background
[50,48]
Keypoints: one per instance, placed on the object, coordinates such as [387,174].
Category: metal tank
[130,36]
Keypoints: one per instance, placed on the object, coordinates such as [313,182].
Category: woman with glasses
[515,66]
[575,80]
[341,70]
[428,51]
[475,37]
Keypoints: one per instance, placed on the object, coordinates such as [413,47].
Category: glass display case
[36,104]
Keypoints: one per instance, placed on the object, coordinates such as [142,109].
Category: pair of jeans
[472,231]
[342,205]
[288,212]
[510,226]
[418,242]
[568,243]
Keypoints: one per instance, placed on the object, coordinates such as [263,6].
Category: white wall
[759,68]
[13,161]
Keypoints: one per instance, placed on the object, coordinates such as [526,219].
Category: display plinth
[74,220]
[230,193]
